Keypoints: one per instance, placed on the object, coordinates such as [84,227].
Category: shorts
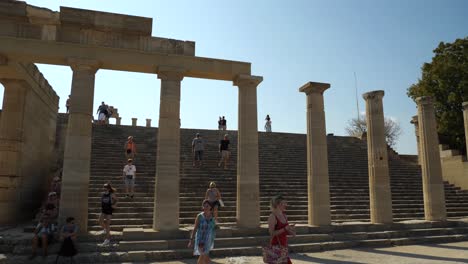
[223,127]
[129,182]
[225,154]
[215,204]
[102,116]
[106,214]
[129,151]
[50,239]
[199,155]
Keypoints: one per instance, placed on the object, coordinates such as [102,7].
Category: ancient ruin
[331,179]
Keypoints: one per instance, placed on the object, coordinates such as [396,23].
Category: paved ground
[415,254]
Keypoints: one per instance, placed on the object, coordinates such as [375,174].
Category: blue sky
[288,43]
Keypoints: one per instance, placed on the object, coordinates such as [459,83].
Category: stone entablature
[73,25]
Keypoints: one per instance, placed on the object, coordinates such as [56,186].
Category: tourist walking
[67,104]
[278,225]
[224,151]
[198,146]
[102,113]
[214,197]
[223,123]
[129,175]
[108,203]
[130,148]
[203,234]
[268,123]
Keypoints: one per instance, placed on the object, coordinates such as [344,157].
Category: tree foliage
[445,79]
[357,126]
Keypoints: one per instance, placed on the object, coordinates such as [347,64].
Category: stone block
[106,21]
[13,8]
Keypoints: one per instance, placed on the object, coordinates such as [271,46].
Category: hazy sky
[288,43]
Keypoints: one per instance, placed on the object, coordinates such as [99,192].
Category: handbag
[275,254]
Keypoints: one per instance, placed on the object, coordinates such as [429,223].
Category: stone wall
[455,170]
[27,132]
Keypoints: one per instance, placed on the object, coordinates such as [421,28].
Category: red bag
[275,254]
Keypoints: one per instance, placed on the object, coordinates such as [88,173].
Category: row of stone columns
[379,180]
[118,121]
[77,156]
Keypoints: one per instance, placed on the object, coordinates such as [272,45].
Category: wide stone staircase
[283,169]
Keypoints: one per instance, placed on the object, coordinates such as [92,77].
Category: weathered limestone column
[134,121]
[118,121]
[380,194]
[414,121]
[148,122]
[465,118]
[433,186]
[11,141]
[317,155]
[166,195]
[248,184]
[77,155]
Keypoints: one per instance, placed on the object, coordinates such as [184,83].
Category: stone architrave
[248,184]
[166,195]
[433,186]
[379,179]
[318,188]
[134,121]
[414,121]
[11,141]
[148,122]
[77,154]
[465,118]
[118,121]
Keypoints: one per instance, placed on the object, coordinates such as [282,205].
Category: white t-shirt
[129,170]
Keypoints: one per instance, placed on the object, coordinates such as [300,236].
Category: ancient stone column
[11,140]
[148,122]
[414,121]
[380,194]
[433,186]
[465,118]
[118,121]
[248,184]
[317,155]
[166,196]
[134,121]
[77,154]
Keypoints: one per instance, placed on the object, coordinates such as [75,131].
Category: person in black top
[224,151]
[108,202]
[220,124]
[103,112]
[223,124]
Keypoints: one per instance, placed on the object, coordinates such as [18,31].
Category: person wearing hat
[130,148]
[198,146]
[129,174]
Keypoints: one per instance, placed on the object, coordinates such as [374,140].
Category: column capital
[81,64]
[378,94]
[247,80]
[414,120]
[314,87]
[424,100]
[465,105]
[168,73]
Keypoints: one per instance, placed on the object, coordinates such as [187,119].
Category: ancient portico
[88,41]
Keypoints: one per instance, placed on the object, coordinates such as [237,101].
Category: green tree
[445,79]
[357,126]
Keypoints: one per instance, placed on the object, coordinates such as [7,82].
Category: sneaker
[106,242]
[131,196]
